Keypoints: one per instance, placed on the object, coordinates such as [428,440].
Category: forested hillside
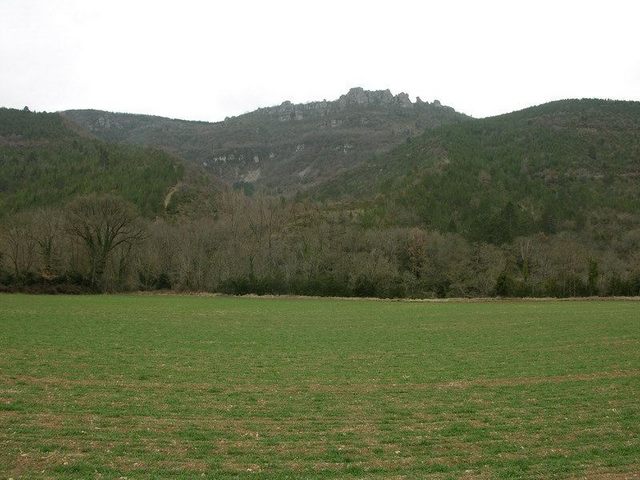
[282,149]
[46,161]
[555,167]
[541,202]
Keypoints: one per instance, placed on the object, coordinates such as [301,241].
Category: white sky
[205,60]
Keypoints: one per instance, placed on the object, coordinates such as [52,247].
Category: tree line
[266,245]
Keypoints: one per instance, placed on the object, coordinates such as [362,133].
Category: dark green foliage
[44,162]
[247,188]
[504,285]
[494,179]
[18,126]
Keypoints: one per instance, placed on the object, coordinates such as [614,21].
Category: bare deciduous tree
[20,246]
[47,232]
[103,223]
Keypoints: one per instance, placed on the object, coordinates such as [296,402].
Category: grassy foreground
[182,387]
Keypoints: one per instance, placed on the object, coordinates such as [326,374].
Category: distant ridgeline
[281,149]
[562,166]
[46,160]
[367,195]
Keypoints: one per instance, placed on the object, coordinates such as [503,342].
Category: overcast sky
[205,60]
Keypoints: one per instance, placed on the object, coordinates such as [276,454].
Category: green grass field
[182,387]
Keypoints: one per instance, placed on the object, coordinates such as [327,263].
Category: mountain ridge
[285,148]
[544,201]
[557,163]
[45,160]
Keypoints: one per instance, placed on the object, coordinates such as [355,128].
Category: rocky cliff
[284,148]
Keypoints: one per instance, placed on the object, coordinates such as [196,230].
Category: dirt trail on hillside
[172,190]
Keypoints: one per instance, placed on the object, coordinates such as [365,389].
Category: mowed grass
[183,386]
